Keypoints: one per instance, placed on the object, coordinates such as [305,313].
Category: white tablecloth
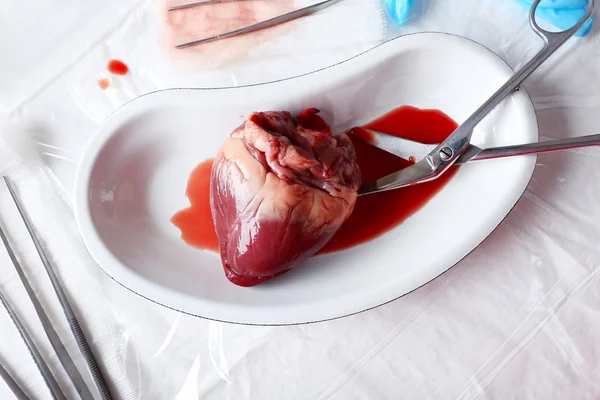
[517,319]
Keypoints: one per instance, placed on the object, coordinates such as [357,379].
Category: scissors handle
[448,152]
[535,148]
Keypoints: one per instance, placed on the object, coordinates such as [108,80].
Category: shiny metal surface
[533,148]
[44,369]
[80,338]
[403,148]
[12,384]
[406,148]
[393,144]
[58,346]
[199,3]
[302,12]
[438,161]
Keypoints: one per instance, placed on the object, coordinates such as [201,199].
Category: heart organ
[280,188]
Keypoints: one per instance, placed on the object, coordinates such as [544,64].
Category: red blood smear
[117,67]
[374,214]
[361,133]
[195,223]
[104,83]
[378,213]
[310,120]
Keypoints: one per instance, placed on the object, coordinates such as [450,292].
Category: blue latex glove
[399,10]
[561,13]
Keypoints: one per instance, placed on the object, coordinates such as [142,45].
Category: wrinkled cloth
[53,220]
[516,319]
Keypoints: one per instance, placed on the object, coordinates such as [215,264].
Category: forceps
[457,146]
[72,320]
[302,12]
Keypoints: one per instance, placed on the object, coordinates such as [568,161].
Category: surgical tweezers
[12,385]
[302,12]
[57,345]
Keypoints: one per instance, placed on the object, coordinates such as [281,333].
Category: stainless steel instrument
[76,330]
[302,12]
[407,149]
[12,385]
[447,153]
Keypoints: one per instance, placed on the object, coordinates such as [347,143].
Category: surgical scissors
[450,150]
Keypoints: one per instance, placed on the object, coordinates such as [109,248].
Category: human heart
[280,189]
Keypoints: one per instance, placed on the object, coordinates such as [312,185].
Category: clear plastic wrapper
[517,318]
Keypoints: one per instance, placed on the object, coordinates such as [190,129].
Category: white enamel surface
[132,178]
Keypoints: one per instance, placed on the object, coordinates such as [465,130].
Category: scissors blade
[416,173]
[430,167]
[421,171]
[406,148]
[403,148]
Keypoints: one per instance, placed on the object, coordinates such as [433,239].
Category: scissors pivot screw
[446,153]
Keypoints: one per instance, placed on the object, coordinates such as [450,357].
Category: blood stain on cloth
[104,83]
[117,67]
